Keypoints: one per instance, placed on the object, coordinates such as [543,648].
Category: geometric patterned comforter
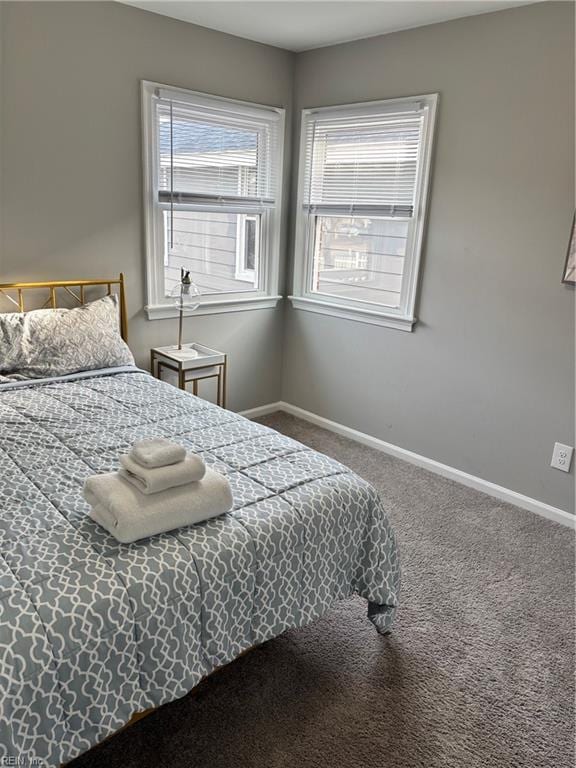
[92,631]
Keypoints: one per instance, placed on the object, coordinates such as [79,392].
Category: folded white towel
[128,515]
[157,452]
[159,479]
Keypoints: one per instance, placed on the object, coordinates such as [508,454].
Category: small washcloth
[157,452]
[159,479]
[128,515]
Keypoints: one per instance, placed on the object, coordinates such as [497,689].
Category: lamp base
[186,350]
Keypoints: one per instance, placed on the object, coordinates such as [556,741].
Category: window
[212,198]
[363,180]
[247,246]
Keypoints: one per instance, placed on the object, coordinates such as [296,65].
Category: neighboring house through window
[247,247]
[212,198]
[364,173]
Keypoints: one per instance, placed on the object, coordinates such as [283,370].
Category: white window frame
[266,295]
[352,309]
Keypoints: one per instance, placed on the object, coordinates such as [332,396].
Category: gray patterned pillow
[54,342]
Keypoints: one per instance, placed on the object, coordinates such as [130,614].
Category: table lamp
[186,296]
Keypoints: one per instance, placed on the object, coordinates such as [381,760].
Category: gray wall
[71,157]
[485,382]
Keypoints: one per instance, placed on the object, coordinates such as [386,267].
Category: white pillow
[54,342]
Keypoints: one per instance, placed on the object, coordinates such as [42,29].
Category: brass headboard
[17,298]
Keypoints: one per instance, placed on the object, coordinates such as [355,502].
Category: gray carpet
[478,672]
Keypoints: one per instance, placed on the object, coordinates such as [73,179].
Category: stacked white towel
[157,452]
[159,487]
[190,470]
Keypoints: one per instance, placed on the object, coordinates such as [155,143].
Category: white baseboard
[264,410]
[471,481]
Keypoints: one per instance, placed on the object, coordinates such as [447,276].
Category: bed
[93,631]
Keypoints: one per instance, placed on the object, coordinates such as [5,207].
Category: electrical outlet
[562,457]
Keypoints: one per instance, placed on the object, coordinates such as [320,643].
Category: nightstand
[192,363]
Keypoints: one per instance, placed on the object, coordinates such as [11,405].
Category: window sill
[353,313]
[161,311]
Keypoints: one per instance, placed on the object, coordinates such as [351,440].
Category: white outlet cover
[562,457]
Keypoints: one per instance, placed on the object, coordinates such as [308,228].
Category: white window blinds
[362,163]
[214,154]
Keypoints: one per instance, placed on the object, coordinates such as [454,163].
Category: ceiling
[298,25]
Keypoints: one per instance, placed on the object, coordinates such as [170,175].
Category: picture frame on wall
[570,266]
